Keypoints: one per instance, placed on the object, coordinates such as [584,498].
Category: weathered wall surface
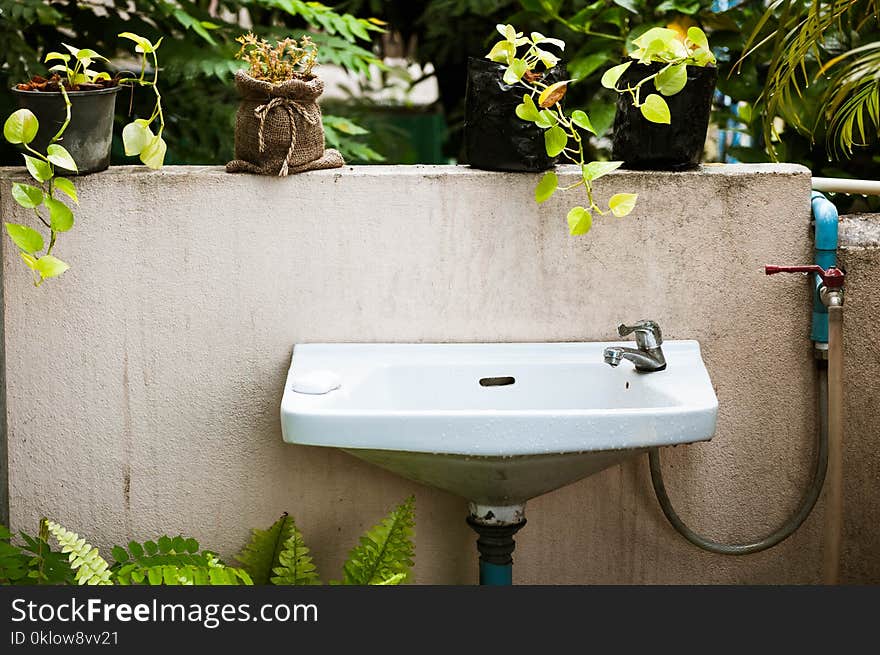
[143,387]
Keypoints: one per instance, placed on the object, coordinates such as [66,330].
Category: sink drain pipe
[495,526]
[828,351]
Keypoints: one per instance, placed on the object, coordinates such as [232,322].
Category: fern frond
[90,567]
[385,552]
[295,565]
[278,555]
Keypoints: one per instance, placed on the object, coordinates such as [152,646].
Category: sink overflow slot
[497,382]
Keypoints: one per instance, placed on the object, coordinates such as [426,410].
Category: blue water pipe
[496,574]
[825,221]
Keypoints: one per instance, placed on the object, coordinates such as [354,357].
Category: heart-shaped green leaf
[581,119]
[579,221]
[26,195]
[142,43]
[546,187]
[49,266]
[40,170]
[515,71]
[622,204]
[21,126]
[59,156]
[596,169]
[546,119]
[153,155]
[66,187]
[612,75]
[527,110]
[655,109]
[26,238]
[502,52]
[60,216]
[555,140]
[53,56]
[671,80]
[135,137]
[698,36]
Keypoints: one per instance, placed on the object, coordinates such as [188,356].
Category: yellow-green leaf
[40,170]
[698,36]
[60,216]
[142,43]
[515,71]
[596,169]
[671,80]
[66,187]
[579,221]
[59,156]
[555,140]
[546,187]
[502,52]
[30,260]
[655,109]
[26,195]
[622,204]
[546,119]
[581,119]
[153,155]
[135,137]
[612,75]
[21,126]
[26,238]
[50,266]
[527,110]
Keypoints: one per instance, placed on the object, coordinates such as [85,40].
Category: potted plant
[92,96]
[665,98]
[494,138]
[524,65]
[85,131]
[278,127]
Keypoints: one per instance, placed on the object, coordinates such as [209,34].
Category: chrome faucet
[649,356]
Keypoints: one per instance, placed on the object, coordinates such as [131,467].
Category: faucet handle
[647,333]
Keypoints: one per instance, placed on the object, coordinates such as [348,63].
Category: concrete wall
[143,387]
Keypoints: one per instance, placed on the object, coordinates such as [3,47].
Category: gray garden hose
[786,529]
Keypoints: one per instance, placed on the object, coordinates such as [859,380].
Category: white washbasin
[495,423]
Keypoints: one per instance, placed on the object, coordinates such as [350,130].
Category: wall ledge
[859,231]
[429,171]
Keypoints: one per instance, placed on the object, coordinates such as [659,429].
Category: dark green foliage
[32,563]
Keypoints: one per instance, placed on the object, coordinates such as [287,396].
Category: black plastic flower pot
[495,138]
[89,135]
[641,144]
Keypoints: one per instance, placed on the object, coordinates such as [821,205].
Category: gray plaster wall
[143,387]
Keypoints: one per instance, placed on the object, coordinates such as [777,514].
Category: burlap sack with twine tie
[278,128]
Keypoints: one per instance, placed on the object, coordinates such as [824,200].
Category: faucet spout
[645,361]
[648,357]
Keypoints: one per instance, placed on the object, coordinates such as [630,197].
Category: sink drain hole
[497,382]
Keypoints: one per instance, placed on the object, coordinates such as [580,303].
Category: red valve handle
[833,278]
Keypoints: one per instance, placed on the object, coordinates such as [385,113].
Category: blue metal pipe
[825,221]
[496,574]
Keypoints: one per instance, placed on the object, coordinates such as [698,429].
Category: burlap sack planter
[278,128]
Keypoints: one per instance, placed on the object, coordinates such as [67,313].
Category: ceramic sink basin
[494,423]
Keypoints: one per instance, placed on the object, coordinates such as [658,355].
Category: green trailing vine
[138,137]
[525,60]
[384,555]
[21,129]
